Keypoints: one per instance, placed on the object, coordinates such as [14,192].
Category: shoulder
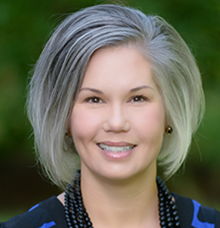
[48,213]
[193,214]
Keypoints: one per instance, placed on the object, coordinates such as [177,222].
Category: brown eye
[138,99]
[95,100]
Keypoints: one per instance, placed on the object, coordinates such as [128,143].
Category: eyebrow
[91,89]
[140,87]
[132,90]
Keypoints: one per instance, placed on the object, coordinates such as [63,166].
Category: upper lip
[121,143]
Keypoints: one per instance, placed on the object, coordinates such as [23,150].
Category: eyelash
[89,100]
[92,99]
[143,98]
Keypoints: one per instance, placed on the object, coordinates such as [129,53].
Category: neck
[121,203]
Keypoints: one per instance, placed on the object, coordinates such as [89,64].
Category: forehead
[118,65]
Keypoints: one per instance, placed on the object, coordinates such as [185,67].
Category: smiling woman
[117,105]
[121,91]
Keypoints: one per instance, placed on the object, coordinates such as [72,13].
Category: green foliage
[6,215]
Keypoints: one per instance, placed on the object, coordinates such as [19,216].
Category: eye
[139,98]
[95,100]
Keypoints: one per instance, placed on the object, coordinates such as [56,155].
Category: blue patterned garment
[194,215]
[50,214]
[47,214]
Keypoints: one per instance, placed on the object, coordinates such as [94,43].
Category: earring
[168,130]
[68,133]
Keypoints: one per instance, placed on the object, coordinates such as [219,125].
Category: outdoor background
[25,26]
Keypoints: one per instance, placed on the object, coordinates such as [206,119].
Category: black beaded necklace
[77,217]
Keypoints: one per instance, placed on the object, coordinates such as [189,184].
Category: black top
[50,214]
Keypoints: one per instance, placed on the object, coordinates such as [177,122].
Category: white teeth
[115,149]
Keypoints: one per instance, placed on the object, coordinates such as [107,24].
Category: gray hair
[59,72]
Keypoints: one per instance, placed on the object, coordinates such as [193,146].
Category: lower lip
[117,156]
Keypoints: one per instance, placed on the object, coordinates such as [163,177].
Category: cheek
[83,124]
[151,123]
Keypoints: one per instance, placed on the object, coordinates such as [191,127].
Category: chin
[121,174]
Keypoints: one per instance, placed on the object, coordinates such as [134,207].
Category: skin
[119,104]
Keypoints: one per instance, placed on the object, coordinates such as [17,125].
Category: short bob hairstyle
[59,72]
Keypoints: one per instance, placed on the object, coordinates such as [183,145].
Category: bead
[87,219]
[89,223]
[161,204]
[169,197]
[167,210]
[171,202]
[169,219]
[80,205]
[73,217]
[160,194]
[75,221]
[80,222]
[80,217]
[170,224]
[176,218]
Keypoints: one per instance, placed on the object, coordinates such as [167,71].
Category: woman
[122,91]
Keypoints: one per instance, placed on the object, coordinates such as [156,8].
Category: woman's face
[118,120]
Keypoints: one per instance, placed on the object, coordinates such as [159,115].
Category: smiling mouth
[115,149]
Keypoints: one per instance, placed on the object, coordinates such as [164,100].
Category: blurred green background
[25,26]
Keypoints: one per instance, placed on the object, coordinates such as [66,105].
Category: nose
[116,120]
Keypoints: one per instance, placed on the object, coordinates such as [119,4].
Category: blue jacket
[50,214]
